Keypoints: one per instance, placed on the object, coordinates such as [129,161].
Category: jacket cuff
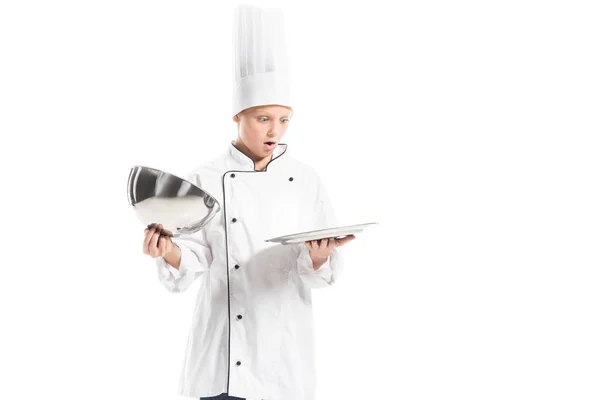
[166,270]
[305,266]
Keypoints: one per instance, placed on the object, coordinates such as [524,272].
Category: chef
[252,326]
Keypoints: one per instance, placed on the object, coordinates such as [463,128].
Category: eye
[263,119]
[285,120]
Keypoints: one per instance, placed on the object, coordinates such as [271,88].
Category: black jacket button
[233,175]
[291,178]
[238,363]
[236,266]
[239,317]
[234,220]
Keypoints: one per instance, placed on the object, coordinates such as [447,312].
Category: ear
[236,118]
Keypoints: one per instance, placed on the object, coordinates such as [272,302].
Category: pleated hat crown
[260,60]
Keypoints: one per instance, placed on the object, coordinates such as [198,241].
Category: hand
[320,252]
[157,241]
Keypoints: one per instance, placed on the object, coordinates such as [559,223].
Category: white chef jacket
[252,326]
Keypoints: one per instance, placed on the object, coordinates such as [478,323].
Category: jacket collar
[245,163]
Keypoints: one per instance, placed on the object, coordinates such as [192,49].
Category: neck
[259,163]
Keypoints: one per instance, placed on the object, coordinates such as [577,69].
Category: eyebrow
[270,115]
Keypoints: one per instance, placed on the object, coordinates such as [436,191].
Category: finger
[159,228]
[323,244]
[149,233]
[147,240]
[164,231]
[314,244]
[162,244]
[307,244]
[169,245]
[331,244]
[345,240]
[152,248]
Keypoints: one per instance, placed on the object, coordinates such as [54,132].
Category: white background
[468,130]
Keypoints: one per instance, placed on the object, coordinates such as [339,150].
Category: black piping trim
[227,256]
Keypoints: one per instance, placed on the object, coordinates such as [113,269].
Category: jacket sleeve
[196,257]
[328,273]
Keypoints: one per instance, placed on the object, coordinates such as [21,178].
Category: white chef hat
[260,62]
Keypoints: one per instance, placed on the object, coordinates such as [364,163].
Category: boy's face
[262,124]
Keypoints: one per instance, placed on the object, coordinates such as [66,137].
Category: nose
[275,129]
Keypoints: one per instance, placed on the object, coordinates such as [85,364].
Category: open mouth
[270,143]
